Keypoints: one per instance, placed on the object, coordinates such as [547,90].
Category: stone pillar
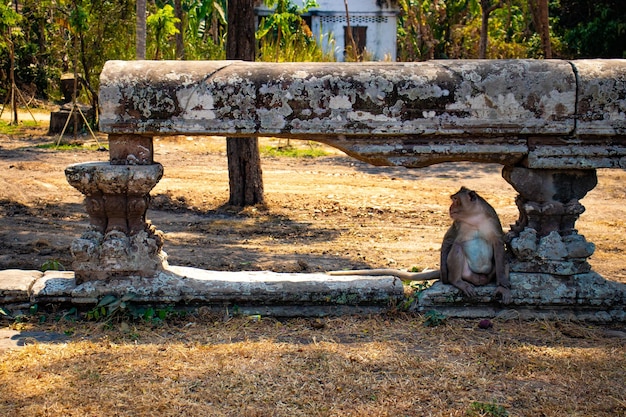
[119,242]
[544,240]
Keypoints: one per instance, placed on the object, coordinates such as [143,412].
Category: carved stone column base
[551,254]
[120,241]
[99,257]
[544,240]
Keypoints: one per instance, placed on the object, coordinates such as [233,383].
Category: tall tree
[487,7]
[8,28]
[140,45]
[541,21]
[244,160]
[180,46]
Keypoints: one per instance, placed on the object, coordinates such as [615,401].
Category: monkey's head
[465,202]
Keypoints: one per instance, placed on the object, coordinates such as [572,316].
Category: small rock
[485,324]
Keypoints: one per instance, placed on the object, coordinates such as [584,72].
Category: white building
[373,25]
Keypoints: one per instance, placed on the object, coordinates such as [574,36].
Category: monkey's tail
[404,275]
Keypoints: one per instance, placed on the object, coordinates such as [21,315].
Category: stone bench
[550,123]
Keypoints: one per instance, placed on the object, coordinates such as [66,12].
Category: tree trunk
[486,8]
[541,21]
[353,52]
[140,40]
[14,119]
[180,47]
[244,160]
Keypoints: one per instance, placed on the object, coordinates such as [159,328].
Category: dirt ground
[324,213]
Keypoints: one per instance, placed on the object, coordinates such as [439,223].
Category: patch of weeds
[12,129]
[71,146]
[480,409]
[122,308]
[69,315]
[6,314]
[293,152]
[417,288]
[108,307]
[434,318]
[52,265]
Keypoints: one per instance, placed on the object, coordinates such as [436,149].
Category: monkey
[472,252]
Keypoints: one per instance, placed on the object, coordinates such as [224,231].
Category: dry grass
[376,366]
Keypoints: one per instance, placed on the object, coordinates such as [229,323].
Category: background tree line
[41,39]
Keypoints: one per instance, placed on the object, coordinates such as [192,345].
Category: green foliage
[602,36]
[417,288]
[434,318]
[162,26]
[480,409]
[285,36]
[451,29]
[6,313]
[52,265]
[111,307]
[9,19]
[79,19]
[205,31]
[14,129]
[294,49]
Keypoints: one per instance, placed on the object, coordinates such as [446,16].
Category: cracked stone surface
[405,114]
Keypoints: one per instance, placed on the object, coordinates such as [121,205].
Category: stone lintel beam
[537,113]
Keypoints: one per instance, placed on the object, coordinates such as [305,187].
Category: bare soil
[324,213]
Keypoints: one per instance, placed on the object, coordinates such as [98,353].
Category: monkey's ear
[472,195]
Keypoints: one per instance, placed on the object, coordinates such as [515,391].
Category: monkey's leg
[457,265]
[477,279]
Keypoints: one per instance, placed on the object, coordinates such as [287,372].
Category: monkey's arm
[502,273]
[448,241]
[404,275]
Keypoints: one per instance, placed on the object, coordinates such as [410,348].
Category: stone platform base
[584,297]
[588,297]
[247,292]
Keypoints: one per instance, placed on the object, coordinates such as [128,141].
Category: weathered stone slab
[15,285]
[602,97]
[254,292]
[583,297]
[289,288]
[54,287]
[481,97]
[192,286]
[543,113]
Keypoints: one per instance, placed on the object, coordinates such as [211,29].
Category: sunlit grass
[292,151]
[70,146]
[6,128]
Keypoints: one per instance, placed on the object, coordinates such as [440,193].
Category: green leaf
[106,300]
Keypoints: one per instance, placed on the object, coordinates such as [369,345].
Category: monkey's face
[463,203]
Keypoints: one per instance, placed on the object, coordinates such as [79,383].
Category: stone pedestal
[58,119]
[544,240]
[120,242]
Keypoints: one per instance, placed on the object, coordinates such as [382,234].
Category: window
[359,34]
